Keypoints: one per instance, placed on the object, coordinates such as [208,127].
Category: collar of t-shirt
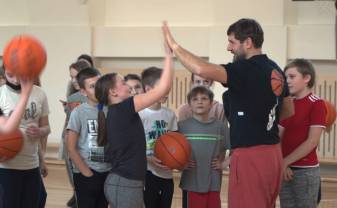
[16,88]
[210,120]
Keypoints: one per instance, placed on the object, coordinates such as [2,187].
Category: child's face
[121,90]
[73,74]
[12,78]
[200,104]
[199,81]
[89,88]
[136,86]
[297,83]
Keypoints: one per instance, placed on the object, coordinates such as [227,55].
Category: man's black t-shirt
[1,113]
[126,149]
[254,108]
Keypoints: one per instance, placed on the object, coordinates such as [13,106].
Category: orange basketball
[173,150]
[330,117]
[10,144]
[24,56]
[277,82]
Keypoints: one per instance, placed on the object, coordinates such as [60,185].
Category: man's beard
[239,54]
[239,57]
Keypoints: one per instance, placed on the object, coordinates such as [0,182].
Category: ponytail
[102,87]
[101,137]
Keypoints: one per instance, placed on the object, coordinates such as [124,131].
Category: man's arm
[194,63]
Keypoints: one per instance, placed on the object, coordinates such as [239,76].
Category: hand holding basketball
[173,150]
[155,161]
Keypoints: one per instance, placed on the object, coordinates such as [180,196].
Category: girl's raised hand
[168,39]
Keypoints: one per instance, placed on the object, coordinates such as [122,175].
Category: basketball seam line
[169,152]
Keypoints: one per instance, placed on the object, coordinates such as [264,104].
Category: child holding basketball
[20,176]
[201,178]
[157,120]
[300,136]
[125,138]
[12,122]
[89,168]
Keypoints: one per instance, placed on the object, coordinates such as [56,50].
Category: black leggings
[20,188]
[158,191]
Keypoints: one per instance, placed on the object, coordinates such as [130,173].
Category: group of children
[113,122]
[110,139]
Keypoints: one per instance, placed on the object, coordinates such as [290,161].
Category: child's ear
[112,92]
[307,78]
[83,92]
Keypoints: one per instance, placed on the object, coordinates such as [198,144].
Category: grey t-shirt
[207,142]
[83,120]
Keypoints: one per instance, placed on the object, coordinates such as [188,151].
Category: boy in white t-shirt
[157,120]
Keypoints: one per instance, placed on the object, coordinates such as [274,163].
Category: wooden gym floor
[59,190]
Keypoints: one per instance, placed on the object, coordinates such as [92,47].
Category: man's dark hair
[86,74]
[200,90]
[247,28]
[150,76]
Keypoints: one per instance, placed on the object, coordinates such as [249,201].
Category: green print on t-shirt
[159,127]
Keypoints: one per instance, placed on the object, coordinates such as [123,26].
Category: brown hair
[200,90]
[102,88]
[86,58]
[132,77]
[150,76]
[305,68]
[86,74]
[78,66]
[247,28]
